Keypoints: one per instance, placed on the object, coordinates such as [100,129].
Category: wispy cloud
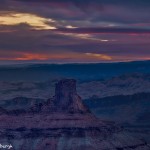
[36,22]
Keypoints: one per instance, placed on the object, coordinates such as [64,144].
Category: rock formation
[64,123]
[67,99]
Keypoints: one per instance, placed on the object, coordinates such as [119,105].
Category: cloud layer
[74,30]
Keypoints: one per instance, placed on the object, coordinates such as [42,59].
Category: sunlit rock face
[64,123]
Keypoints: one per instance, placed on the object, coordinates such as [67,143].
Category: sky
[66,31]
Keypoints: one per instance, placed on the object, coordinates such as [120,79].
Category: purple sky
[74,30]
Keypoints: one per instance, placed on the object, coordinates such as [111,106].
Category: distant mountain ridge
[82,72]
[19,103]
[131,109]
[126,84]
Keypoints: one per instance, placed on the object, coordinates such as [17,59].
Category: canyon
[64,122]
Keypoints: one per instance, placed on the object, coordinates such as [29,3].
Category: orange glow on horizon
[62,56]
[32,57]
[70,56]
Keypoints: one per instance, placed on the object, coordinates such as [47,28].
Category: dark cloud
[106,30]
[83,3]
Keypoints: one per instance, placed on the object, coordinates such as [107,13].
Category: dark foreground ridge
[64,123]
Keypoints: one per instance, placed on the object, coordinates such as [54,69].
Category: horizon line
[67,63]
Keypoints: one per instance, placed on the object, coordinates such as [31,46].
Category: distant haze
[81,72]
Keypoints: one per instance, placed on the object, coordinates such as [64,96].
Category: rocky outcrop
[66,97]
[66,100]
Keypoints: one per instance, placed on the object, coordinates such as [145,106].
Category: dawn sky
[74,30]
